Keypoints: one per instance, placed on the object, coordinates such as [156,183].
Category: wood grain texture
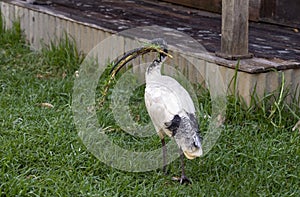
[235,27]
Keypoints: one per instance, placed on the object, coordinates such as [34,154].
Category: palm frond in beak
[135,53]
[128,57]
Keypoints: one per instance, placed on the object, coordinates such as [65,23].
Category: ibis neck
[154,70]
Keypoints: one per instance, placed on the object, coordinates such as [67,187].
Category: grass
[42,155]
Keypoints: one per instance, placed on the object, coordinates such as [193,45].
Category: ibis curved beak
[130,55]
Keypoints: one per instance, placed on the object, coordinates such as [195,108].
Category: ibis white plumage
[169,105]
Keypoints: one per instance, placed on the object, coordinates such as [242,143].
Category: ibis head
[185,131]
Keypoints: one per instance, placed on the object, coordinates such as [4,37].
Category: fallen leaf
[39,76]
[220,120]
[43,76]
[297,125]
[175,178]
[48,105]
[31,177]
[64,75]
[76,73]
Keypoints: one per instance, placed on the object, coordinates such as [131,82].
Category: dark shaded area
[285,12]
[265,40]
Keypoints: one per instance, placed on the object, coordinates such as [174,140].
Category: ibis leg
[183,178]
[164,151]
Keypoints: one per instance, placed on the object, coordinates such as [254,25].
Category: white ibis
[169,105]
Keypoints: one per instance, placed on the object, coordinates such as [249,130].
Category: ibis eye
[195,144]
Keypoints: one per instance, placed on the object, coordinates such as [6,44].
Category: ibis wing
[164,101]
[181,92]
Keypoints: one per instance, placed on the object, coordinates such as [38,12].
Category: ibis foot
[182,180]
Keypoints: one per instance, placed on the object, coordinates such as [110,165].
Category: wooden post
[235,17]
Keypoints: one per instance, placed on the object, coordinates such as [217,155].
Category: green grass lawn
[42,155]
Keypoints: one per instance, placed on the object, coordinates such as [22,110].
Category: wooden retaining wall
[42,25]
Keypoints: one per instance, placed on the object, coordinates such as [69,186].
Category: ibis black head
[163,44]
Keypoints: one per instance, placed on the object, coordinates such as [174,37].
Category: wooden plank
[211,5]
[281,12]
[234,41]
[31,35]
[216,6]
[36,32]
[254,9]
[268,8]
[5,14]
